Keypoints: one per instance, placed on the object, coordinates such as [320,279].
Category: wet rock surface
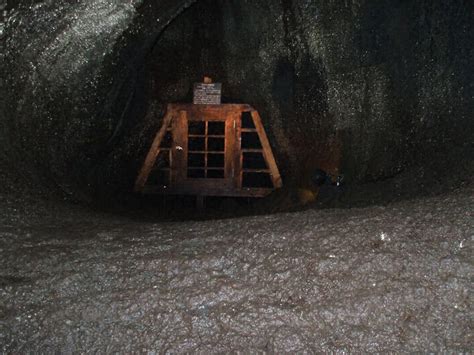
[392,278]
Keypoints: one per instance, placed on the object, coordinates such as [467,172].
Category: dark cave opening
[379,93]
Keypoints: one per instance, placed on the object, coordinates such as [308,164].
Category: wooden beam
[267,151]
[194,191]
[179,147]
[238,157]
[230,147]
[153,153]
[210,110]
[200,202]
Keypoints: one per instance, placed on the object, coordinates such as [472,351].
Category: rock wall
[72,85]
[388,81]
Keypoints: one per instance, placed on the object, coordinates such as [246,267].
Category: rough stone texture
[379,279]
[391,77]
[72,79]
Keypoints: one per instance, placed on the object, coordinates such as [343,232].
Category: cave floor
[380,278]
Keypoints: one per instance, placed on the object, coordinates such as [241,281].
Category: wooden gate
[210,150]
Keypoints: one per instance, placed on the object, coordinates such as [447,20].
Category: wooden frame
[226,179]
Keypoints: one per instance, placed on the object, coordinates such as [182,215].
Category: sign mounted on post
[207,93]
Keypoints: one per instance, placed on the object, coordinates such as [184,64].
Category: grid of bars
[206,149]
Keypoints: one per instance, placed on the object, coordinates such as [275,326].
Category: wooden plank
[229,148]
[267,150]
[198,110]
[204,136]
[204,168]
[153,152]
[201,202]
[238,157]
[179,148]
[256,171]
[206,146]
[192,190]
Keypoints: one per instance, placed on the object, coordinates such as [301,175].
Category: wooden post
[200,202]
[267,150]
[153,153]
[179,148]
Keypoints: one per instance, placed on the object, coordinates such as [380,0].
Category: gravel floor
[393,278]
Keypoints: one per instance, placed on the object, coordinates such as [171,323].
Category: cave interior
[377,92]
[367,247]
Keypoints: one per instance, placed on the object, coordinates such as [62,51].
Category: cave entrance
[210,150]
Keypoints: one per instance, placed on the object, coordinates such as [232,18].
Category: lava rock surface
[376,279]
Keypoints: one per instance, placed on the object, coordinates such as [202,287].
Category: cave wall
[71,89]
[85,81]
[389,80]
